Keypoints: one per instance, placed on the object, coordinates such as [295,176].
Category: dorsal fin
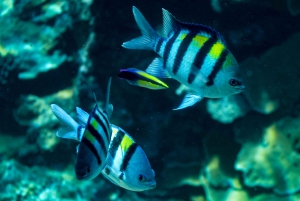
[108,106]
[171,24]
[96,99]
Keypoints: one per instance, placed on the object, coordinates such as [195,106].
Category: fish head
[139,176]
[86,166]
[228,80]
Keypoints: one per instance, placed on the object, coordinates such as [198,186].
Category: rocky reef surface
[244,147]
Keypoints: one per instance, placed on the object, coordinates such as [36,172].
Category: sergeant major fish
[141,78]
[94,138]
[127,165]
[195,55]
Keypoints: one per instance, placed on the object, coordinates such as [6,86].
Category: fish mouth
[152,185]
[81,177]
[240,88]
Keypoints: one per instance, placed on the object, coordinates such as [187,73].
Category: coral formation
[227,109]
[19,182]
[274,162]
[32,41]
[35,112]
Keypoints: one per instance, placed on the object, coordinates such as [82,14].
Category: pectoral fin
[156,68]
[189,100]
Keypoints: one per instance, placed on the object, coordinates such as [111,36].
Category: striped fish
[141,78]
[94,137]
[127,164]
[195,55]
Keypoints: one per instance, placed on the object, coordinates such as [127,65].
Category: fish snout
[152,185]
[240,88]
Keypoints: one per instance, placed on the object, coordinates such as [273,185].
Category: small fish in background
[195,55]
[94,138]
[141,78]
[127,165]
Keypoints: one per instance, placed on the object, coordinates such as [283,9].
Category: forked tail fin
[149,36]
[70,128]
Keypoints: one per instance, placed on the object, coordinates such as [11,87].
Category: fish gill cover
[243,147]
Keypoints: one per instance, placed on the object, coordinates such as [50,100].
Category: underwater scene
[195,100]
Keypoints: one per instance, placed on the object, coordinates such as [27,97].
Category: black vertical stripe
[191,77]
[105,117]
[202,52]
[121,176]
[200,57]
[168,47]
[79,132]
[128,156]
[182,50]
[217,67]
[158,44]
[92,148]
[107,171]
[98,137]
[116,143]
[104,127]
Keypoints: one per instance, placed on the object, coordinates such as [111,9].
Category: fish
[141,78]
[127,164]
[94,137]
[196,55]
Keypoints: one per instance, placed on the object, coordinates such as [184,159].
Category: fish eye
[142,178]
[234,82]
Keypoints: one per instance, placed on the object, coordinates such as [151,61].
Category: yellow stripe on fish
[198,41]
[149,85]
[216,50]
[95,124]
[182,36]
[142,79]
[151,77]
[126,143]
[90,137]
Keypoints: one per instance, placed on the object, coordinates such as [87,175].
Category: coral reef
[35,113]
[269,166]
[274,162]
[19,182]
[227,109]
[33,42]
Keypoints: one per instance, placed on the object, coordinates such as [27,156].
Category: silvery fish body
[193,54]
[127,164]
